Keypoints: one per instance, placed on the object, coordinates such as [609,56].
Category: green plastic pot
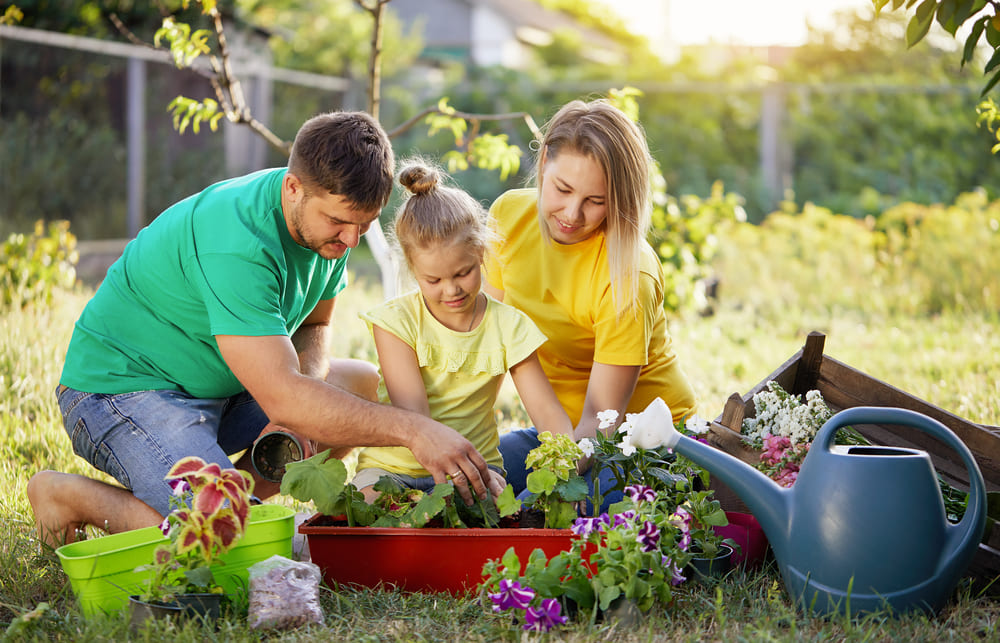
[102,571]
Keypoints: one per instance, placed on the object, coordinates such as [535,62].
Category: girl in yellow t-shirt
[575,259]
[445,347]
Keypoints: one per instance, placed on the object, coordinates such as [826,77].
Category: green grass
[948,359]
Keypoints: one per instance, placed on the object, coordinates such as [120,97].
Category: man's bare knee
[356,376]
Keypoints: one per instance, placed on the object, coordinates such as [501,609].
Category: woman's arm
[401,372]
[609,387]
[539,399]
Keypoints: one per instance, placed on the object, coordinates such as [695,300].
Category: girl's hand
[496,484]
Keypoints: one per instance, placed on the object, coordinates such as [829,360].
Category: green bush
[33,266]
[912,259]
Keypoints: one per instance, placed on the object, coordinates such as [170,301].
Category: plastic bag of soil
[284,594]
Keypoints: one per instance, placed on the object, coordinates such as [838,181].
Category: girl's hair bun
[419,179]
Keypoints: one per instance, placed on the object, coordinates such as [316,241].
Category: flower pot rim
[310,526]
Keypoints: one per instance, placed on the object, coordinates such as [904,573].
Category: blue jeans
[514,447]
[137,437]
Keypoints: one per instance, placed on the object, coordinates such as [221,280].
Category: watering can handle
[974,520]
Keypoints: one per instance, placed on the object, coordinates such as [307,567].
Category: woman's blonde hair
[433,213]
[599,130]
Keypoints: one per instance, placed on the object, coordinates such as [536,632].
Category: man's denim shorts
[137,437]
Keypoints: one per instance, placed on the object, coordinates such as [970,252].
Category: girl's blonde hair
[433,213]
[600,131]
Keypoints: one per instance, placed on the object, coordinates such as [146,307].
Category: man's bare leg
[65,502]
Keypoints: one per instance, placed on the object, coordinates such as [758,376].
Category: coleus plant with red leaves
[211,508]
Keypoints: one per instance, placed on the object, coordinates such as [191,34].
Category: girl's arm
[539,400]
[401,372]
[610,387]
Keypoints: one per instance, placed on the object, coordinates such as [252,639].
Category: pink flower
[544,618]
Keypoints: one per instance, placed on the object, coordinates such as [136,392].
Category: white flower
[654,427]
[696,424]
[607,418]
[587,446]
[625,427]
[626,447]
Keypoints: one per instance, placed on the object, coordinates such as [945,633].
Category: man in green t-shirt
[215,323]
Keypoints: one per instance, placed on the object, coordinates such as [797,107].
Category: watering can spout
[768,502]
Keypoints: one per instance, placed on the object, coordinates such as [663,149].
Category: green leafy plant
[636,453]
[633,553]
[554,486]
[322,480]
[199,532]
[33,266]
[696,516]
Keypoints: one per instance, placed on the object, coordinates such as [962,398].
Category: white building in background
[493,32]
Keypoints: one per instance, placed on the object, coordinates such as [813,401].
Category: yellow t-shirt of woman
[566,291]
[462,372]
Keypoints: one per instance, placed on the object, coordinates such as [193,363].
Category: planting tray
[419,560]
[102,571]
[844,387]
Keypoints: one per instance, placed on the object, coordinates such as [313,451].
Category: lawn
[947,358]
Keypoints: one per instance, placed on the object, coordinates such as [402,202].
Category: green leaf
[973,40]
[429,506]
[319,479]
[511,561]
[879,4]
[991,84]
[920,23]
[574,489]
[993,62]
[507,502]
[992,35]
[541,481]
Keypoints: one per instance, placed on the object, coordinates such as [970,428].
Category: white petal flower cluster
[652,428]
[782,414]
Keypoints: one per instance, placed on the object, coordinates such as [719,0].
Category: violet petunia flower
[511,595]
[179,487]
[640,493]
[623,518]
[676,577]
[165,526]
[544,618]
[583,527]
[648,536]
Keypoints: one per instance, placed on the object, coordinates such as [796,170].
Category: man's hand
[446,454]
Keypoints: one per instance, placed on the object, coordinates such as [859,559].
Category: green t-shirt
[221,262]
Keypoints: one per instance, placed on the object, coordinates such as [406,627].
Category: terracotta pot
[419,560]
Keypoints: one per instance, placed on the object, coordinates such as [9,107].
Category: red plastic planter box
[419,560]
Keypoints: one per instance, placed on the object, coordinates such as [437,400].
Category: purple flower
[511,595]
[649,536]
[676,578]
[639,493]
[544,618]
[180,487]
[583,527]
[623,518]
[165,526]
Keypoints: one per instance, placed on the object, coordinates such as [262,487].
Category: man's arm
[269,367]
[312,340]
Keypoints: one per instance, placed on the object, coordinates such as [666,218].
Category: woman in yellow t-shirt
[445,347]
[573,255]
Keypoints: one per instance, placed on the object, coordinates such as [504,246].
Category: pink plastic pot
[746,532]
[419,560]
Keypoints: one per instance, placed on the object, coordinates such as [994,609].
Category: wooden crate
[844,387]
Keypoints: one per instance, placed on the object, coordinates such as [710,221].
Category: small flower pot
[625,612]
[205,606]
[711,568]
[272,451]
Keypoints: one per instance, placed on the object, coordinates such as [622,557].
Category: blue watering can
[863,527]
